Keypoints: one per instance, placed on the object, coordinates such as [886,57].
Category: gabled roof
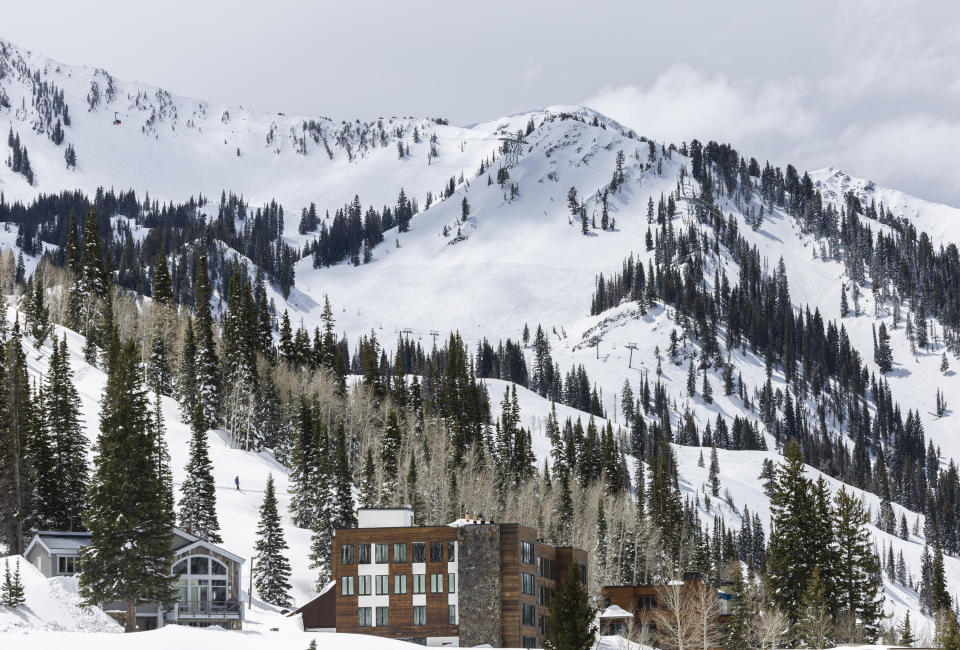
[323,593]
[56,542]
[199,543]
[615,611]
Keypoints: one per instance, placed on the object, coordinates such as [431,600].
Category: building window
[363,554]
[526,552]
[529,642]
[529,615]
[451,551]
[419,551]
[400,583]
[419,614]
[542,625]
[583,574]
[436,583]
[546,568]
[399,553]
[383,616]
[346,554]
[419,583]
[68,565]
[436,551]
[364,585]
[380,552]
[346,585]
[383,585]
[451,583]
[452,614]
[365,619]
[526,583]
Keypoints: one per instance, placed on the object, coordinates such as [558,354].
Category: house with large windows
[208,579]
[467,584]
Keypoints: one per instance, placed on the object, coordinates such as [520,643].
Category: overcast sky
[870,86]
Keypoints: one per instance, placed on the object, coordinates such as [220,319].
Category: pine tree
[207,367]
[11,591]
[368,486]
[857,573]
[17,472]
[791,508]
[707,388]
[158,367]
[571,615]
[130,553]
[714,473]
[271,573]
[198,501]
[90,307]
[37,315]
[814,621]
[187,375]
[65,497]
[414,496]
[344,511]
[883,355]
[389,449]
[738,629]
[904,634]
[944,364]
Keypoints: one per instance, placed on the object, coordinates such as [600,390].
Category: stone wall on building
[480,585]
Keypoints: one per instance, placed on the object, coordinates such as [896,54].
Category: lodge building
[468,584]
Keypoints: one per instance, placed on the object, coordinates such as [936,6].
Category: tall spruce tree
[66,495]
[198,502]
[130,550]
[187,374]
[271,572]
[791,509]
[17,470]
[11,590]
[207,367]
[857,574]
[89,293]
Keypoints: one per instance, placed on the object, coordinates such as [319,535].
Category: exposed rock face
[480,585]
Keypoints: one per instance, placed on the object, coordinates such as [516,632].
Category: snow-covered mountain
[518,258]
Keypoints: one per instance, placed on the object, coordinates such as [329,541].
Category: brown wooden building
[446,585]
[643,602]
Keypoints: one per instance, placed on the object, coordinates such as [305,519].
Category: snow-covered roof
[60,542]
[615,611]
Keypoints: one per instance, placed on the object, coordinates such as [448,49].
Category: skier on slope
[236,481]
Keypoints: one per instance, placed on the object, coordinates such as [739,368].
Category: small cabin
[208,579]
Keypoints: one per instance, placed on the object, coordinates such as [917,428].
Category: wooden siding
[400,605]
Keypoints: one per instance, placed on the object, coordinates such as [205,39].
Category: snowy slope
[52,604]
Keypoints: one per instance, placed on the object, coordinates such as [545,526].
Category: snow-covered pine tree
[271,572]
[90,290]
[714,473]
[158,366]
[197,510]
[368,485]
[187,374]
[11,591]
[207,367]
[389,462]
[884,354]
[344,511]
[324,511]
[130,554]
[37,322]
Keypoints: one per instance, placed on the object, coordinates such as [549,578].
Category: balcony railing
[209,609]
